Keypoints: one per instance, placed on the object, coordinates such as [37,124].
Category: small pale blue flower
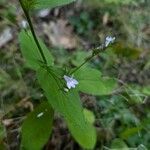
[109,40]
[70,82]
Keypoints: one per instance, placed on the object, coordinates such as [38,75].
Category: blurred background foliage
[122,118]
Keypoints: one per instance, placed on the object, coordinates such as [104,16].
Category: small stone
[5,36]
[43,13]
[24,24]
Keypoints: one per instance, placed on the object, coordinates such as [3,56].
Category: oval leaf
[69,105]
[89,115]
[30,50]
[39,4]
[91,82]
[37,127]
[119,144]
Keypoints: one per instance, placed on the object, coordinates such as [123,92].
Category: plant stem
[32,31]
[77,68]
[95,53]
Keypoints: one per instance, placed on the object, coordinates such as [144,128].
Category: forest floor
[71,32]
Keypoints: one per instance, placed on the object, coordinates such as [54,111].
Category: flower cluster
[70,81]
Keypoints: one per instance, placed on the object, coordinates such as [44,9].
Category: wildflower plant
[61,88]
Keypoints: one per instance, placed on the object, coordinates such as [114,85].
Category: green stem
[32,31]
[88,59]
[95,53]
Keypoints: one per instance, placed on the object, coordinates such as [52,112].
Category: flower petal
[70,82]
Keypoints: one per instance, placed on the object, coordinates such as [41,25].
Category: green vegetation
[103,103]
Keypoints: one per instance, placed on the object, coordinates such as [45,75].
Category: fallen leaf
[60,34]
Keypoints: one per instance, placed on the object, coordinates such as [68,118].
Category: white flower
[109,40]
[71,83]
[24,24]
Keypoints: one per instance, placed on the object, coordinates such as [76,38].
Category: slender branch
[32,31]
[95,53]
[77,68]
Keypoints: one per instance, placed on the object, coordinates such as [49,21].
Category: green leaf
[2,133]
[69,106]
[146,90]
[30,50]
[126,51]
[119,144]
[134,96]
[2,146]
[89,115]
[79,57]
[128,132]
[2,136]
[91,82]
[37,127]
[39,4]
[141,147]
